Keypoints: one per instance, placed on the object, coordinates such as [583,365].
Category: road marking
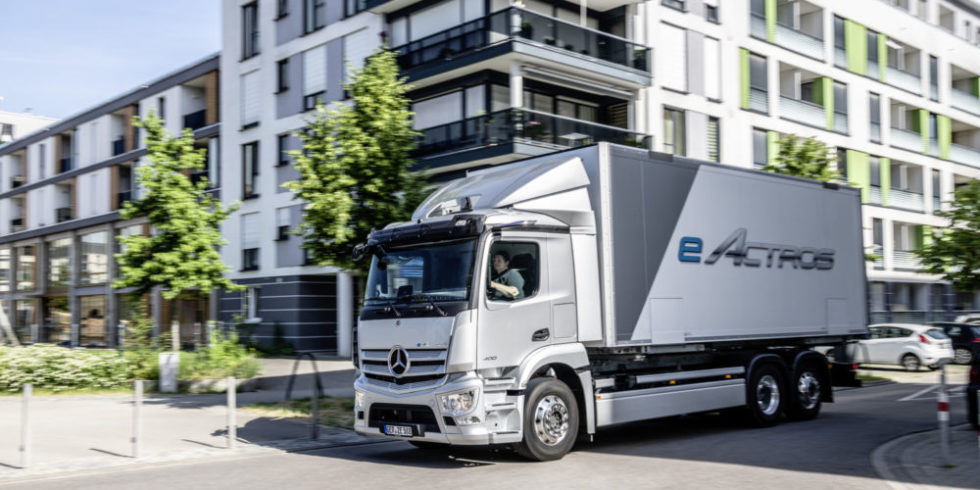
[918,393]
[953,392]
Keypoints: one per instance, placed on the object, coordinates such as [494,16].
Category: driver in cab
[505,283]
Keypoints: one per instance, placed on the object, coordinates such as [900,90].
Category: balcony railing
[905,199]
[965,101]
[17,181]
[964,154]
[875,132]
[802,111]
[62,214]
[759,100]
[799,41]
[905,259]
[16,225]
[123,197]
[194,120]
[840,122]
[518,23]
[516,125]
[879,252]
[936,205]
[65,164]
[905,139]
[840,57]
[874,194]
[757,26]
[118,147]
[903,80]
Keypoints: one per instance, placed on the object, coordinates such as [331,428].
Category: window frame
[250,178]
[490,301]
[282,75]
[310,10]
[250,30]
[678,115]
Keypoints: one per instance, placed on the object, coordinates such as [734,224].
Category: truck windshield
[437,272]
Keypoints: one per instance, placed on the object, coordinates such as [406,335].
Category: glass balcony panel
[964,154]
[936,205]
[840,122]
[901,198]
[903,80]
[965,101]
[873,70]
[799,41]
[905,139]
[802,111]
[194,120]
[874,194]
[118,147]
[759,100]
[757,24]
[879,252]
[905,259]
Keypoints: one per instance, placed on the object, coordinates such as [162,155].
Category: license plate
[398,430]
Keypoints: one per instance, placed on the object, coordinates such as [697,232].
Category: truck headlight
[459,403]
[358,399]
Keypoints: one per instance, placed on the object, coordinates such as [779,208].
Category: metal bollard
[25,426]
[137,439]
[232,405]
[943,416]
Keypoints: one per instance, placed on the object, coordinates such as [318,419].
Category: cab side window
[514,271]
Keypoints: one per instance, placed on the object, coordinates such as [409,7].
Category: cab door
[512,327]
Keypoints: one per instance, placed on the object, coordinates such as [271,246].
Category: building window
[714,146]
[282,75]
[674,4]
[4,270]
[874,112]
[840,50]
[877,243]
[250,30]
[26,268]
[94,258]
[41,161]
[250,170]
[282,224]
[840,107]
[162,108]
[933,78]
[842,163]
[250,241]
[674,132]
[282,8]
[936,193]
[675,59]
[760,148]
[314,76]
[251,105]
[711,12]
[250,304]
[283,143]
[59,263]
[6,132]
[314,15]
[758,83]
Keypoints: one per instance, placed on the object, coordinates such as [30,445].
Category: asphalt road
[705,451]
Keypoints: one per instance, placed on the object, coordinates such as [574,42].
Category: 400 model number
[754,254]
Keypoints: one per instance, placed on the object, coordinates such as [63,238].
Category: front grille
[385,413]
[425,365]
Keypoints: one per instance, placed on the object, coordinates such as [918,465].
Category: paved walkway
[913,461]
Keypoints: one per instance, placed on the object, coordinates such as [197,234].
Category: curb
[888,473]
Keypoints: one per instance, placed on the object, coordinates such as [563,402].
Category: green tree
[804,157]
[354,168]
[181,256]
[955,252]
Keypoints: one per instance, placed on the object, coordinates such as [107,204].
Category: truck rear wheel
[550,420]
[805,391]
[765,395]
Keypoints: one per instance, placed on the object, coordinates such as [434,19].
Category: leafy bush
[54,368]
[223,357]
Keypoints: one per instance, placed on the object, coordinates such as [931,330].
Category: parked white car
[908,345]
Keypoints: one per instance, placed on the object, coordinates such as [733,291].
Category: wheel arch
[569,363]
[820,361]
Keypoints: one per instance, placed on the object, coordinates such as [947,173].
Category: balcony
[907,140]
[879,252]
[907,200]
[62,214]
[123,197]
[16,225]
[118,147]
[799,41]
[757,26]
[195,120]
[65,164]
[965,101]
[936,205]
[903,80]
[802,111]
[759,100]
[964,154]
[874,194]
[905,259]
[556,36]
[17,181]
[521,126]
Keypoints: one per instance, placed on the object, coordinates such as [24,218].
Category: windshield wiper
[391,306]
[432,303]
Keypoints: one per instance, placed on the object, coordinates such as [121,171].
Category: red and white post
[943,416]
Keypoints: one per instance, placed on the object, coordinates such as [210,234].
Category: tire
[764,400]
[550,420]
[429,446]
[962,356]
[910,362]
[805,392]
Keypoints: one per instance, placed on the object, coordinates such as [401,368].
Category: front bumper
[498,414]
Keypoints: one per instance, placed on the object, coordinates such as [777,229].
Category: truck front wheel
[550,420]
[765,395]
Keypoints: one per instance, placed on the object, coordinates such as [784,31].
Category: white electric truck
[534,302]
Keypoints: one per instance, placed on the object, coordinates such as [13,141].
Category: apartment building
[61,188]
[13,125]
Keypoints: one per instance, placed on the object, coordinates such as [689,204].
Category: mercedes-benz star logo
[398,362]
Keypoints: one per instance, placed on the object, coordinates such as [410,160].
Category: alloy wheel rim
[809,388]
[551,420]
[767,395]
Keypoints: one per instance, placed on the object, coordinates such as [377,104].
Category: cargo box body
[693,252]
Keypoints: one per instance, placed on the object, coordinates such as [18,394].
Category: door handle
[540,335]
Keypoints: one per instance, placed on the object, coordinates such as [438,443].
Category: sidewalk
[86,432]
[913,461]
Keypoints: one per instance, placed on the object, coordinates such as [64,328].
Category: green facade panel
[743,62]
[859,172]
[856,46]
[944,133]
[771,20]
[920,124]
[886,179]
[975,86]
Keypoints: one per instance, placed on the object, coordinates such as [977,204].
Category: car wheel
[805,390]
[550,420]
[911,362]
[765,395]
[962,356]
